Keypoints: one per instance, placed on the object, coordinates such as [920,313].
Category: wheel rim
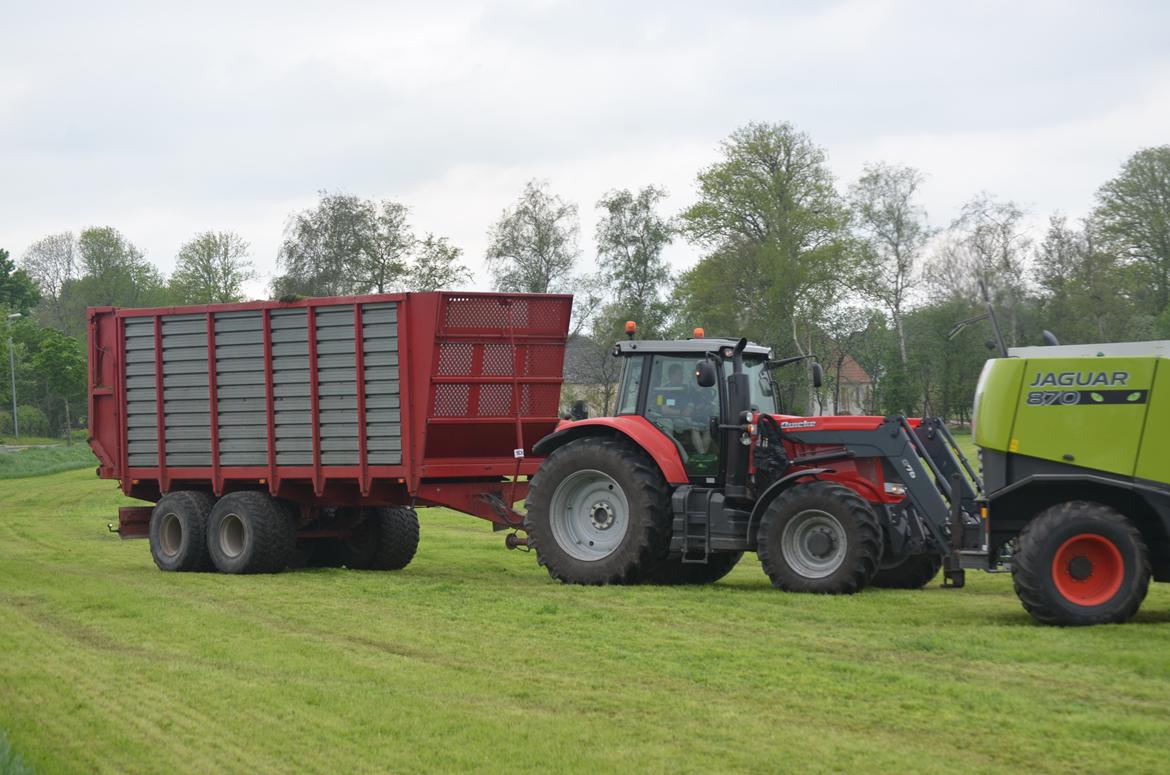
[232,535]
[170,535]
[1088,569]
[814,543]
[589,515]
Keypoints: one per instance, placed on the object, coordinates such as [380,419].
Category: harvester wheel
[674,571]
[914,572]
[178,531]
[820,537]
[598,513]
[397,538]
[249,532]
[1080,563]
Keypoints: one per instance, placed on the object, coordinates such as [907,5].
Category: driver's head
[676,375]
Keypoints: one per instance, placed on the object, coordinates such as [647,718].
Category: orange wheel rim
[1088,569]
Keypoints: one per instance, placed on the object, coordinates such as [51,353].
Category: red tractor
[699,464]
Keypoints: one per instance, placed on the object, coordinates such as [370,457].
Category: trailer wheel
[673,571]
[820,537]
[249,532]
[178,531]
[598,513]
[913,572]
[397,538]
[1080,563]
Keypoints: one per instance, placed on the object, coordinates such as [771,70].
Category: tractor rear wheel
[598,513]
[819,537]
[178,531]
[674,571]
[914,572]
[1079,563]
[249,532]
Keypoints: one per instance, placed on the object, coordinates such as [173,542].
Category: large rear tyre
[178,531]
[1080,563]
[914,572]
[673,571]
[397,538]
[598,513]
[819,537]
[249,532]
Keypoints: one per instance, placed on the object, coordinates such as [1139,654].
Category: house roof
[852,372]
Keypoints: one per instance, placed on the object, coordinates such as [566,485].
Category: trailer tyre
[914,572]
[178,531]
[598,513]
[820,537]
[397,538]
[1081,563]
[673,571]
[249,532]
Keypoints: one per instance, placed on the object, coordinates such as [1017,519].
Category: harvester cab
[700,464]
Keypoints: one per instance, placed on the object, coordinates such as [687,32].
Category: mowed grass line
[472,658]
[38,461]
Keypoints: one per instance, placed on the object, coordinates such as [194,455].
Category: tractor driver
[688,412]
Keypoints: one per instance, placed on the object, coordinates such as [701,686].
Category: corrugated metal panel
[336,378]
[141,409]
[239,388]
[186,392]
[380,357]
[290,376]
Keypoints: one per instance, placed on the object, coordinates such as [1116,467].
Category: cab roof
[686,346]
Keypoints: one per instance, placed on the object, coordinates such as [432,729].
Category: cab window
[682,410]
[631,381]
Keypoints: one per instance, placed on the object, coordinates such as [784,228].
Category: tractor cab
[659,383]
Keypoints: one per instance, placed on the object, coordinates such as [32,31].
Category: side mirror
[818,375]
[1049,338]
[705,373]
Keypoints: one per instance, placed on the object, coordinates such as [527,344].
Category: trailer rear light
[895,488]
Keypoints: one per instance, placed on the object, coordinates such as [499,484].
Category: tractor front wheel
[598,513]
[819,537]
[1079,563]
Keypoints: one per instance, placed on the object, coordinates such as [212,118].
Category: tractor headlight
[895,488]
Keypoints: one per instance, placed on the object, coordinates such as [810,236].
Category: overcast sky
[166,119]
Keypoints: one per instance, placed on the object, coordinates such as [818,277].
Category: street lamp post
[12,370]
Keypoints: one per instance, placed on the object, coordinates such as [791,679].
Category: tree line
[790,258]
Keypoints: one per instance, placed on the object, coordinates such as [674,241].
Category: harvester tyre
[914,572]
[598,513]
[249,532]
[1081,563]
[178,531]
[819,537]
[397,538]
[673,571]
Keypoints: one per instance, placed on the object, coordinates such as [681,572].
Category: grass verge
[39,461]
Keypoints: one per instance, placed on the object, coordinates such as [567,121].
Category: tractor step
[694,509]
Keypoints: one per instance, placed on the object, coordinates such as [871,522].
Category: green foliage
[631,236]
[1133,219]
[350,245]
[473,659]
[17,290]
[533,247]
[436,265]
[211,269]
[775,226]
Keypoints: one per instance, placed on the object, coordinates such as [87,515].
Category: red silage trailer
[272,433]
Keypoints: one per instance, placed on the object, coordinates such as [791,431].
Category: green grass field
[472,659]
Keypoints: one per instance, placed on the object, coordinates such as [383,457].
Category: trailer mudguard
[638,430]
